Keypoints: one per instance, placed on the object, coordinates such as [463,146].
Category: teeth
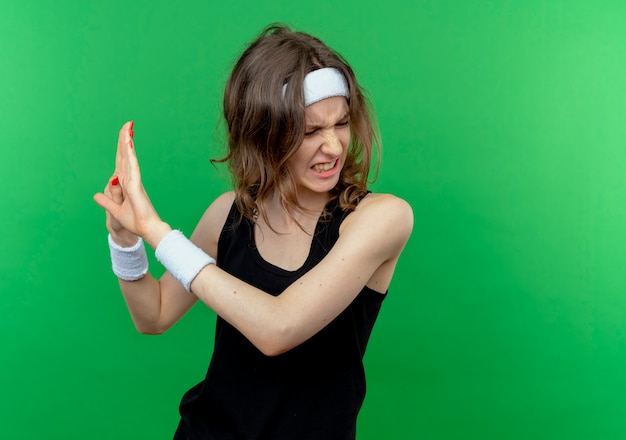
[324,166]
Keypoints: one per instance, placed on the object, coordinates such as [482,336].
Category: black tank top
[313,391]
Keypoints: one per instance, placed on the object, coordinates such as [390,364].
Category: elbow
[277,341]
[145,329]
[273,350]
[151,332]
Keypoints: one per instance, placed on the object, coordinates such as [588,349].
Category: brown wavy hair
[265,128]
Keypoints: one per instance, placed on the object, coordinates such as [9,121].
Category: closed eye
[343,122]
[310,133]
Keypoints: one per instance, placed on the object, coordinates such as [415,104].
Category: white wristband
[183,259]
[131,263]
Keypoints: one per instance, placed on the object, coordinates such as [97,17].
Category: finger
[114,190]
[132,172]
[107,203]
[126,133]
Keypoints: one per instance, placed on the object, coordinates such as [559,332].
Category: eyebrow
[310,127]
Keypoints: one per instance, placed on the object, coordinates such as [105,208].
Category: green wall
[503,125]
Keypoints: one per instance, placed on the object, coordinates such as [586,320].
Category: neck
[302,218]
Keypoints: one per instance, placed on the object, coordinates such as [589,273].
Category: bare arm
[370,242]
[154,305]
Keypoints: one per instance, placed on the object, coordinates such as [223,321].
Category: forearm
[143,299]
[145,296]
[256,314]
[274,324]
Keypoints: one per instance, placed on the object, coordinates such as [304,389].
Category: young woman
[305,253]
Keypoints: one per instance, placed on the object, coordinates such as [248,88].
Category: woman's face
[317,163]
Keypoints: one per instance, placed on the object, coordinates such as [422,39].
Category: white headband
[323,83]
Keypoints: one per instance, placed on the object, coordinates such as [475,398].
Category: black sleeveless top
[313,391]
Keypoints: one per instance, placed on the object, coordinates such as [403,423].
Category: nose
[331,144]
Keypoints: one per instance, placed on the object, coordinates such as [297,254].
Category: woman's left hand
[134,211]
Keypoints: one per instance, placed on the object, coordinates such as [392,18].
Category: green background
[503,125]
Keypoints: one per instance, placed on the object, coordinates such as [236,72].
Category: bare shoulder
[385,208]
[381,216]
[385,202]
[208,229]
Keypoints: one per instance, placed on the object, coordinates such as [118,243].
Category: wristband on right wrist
[183,259]
[128,263]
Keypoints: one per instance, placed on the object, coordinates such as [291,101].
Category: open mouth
[321,167]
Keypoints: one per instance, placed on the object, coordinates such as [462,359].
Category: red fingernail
[130,142]
[130,129]
[115,181]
